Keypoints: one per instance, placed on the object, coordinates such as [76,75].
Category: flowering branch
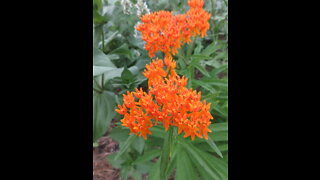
[168,100]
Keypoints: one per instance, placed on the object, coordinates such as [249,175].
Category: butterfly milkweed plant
[161,87]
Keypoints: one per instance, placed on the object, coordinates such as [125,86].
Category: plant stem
[102,81]
[213,3]
[191,46]
[166,153]
[102,40]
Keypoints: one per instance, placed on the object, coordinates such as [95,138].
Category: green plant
[119,59]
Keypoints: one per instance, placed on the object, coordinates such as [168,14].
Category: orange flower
[137,120]
[154,71]
[160,33]
[198,18]
[167,33]
[168,101]
[196,4]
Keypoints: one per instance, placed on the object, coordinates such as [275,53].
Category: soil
[102,170]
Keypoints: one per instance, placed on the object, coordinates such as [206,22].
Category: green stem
[166,154]
[213,3]
[190,49]
[102,81]
[225,2]
[102,41]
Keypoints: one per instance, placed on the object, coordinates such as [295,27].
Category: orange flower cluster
[165,32]
[168,101]
[198,18]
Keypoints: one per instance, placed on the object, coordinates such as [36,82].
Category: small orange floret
[196,3]
[122,109]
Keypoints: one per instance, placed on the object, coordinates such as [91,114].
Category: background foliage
[118,60]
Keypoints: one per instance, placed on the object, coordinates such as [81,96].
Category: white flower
[127,5]
[142,8]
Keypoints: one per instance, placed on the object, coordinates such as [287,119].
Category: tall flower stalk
[168,101]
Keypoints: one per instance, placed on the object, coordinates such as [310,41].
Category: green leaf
[216,71]
[213,63]
[144,167]
[214,146]
[219,136]
[98,19]
[202,70]
[206,147]
[221,55]
[110,38]
[97,4]
[98,70]
[203,174]
[219,165]
[124,172]
[185,170]
[139,144]
[125,146]
[204,86]
[195,59]
[157,131]
[102,63]
[147,156]
[136,175]
[124,50]
[154,142]
[181,63]
[213,47]
[97,32]
[103,112]
[219,127]
[119,134]
[100,59]
[198,47]
[199,161]
[115,163]
[113,56]
[127,75]
[216,82]
[173,159]
[223,147]
[155,172]
[118,72]
[219,110]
